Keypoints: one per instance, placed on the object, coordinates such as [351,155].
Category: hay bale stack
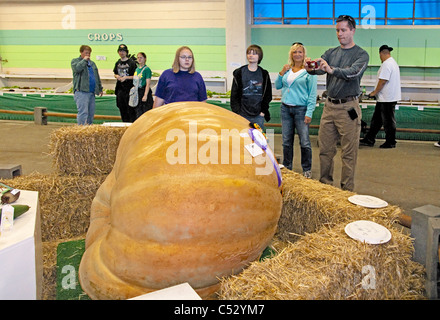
[64,212]
[308,205]
[82,156]
[49,270]
[317,259]
[85,150]
[64,202]
[329,265]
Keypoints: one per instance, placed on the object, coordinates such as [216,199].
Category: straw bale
[309,204]
[84,150]
[64,202]
[329,265]
[317,260]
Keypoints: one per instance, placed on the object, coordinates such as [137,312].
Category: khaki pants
[336,124]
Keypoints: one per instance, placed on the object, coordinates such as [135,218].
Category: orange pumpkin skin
[155,224]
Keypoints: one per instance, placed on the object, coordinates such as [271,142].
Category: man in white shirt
[387,93]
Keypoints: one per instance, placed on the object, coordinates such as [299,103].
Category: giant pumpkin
[185,202]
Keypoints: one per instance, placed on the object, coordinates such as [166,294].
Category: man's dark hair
[349,19]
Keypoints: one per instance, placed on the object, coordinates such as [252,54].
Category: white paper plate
[116,124]
[367,201]
[368,231]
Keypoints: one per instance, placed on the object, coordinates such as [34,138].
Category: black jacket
[124,68]
[237,91]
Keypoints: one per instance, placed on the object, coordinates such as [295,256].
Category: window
[325,12]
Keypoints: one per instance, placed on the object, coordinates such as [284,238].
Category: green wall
[416,50]
[56,48]
[412,47]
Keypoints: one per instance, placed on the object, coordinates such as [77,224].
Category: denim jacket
[81,76]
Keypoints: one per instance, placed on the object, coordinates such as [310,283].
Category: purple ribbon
[269,152]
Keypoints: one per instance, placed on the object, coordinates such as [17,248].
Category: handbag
[133,100]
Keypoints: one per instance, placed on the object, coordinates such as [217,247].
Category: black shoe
[366,142]
[387,146]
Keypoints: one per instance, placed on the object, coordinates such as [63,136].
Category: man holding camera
[341,117]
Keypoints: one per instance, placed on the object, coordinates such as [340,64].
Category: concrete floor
[407,176]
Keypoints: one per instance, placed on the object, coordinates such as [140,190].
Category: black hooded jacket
[237,91]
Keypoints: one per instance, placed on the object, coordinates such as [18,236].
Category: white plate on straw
[368,231]
[367,201]
[117,124]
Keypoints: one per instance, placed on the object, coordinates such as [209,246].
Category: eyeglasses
[349,19]
[186,57]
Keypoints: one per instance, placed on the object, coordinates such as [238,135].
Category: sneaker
[387,146]
[437,144]
[366,142]
[307,174]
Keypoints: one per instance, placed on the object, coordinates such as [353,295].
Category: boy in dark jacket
[251,90]
[124,70]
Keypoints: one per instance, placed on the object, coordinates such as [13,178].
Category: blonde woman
[298,92]
[182,82]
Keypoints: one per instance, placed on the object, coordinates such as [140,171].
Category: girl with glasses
[182,82]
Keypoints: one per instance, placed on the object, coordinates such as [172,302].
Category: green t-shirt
[143,74]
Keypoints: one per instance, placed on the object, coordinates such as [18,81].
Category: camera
[313,64]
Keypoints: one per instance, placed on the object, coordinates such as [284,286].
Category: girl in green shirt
[142,79]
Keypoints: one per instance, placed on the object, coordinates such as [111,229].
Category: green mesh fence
[105,105]
[407,117]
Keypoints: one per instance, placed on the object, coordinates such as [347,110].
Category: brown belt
[339,101]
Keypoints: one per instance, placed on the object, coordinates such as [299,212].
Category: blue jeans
[85,103]
[293,118]
[256,119]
